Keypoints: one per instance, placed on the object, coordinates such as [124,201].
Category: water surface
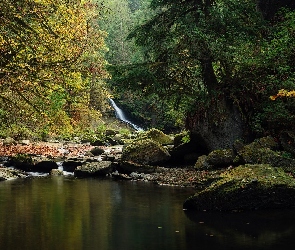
[68,213]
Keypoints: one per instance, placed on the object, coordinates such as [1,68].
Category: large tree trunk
[217,127]
[220,124]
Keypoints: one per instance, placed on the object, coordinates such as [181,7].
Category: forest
[221,69]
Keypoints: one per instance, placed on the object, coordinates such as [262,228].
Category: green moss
[158,136]
[247,187]
[145,151]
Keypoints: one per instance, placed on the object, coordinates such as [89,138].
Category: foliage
[195,53]
[51,57]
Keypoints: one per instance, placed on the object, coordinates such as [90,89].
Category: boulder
[262,151]
[94,169]
[44,166]
[158,136]
[221,157]
[130,166]
[110,132]
[24,142]
[21,161]
[216,159]
[8,141]
[28,163]
[71,164]
[11,174]
[287,140]
[246,187]
[97,151]
[97,143]
[253,152]
[145,152]
[56,172]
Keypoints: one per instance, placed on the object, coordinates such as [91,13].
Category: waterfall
[121,116]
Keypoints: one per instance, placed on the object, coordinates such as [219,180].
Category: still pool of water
[68,213]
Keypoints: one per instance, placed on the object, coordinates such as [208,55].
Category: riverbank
[173,176]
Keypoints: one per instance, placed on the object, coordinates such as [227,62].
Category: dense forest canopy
[173,64]
[204,56]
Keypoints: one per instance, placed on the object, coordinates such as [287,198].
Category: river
[67,213]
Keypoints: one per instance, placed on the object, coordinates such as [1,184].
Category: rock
[97,151]
[253,152]
[247,187]
[216,159]
[221,158]
[186,151]
[181,138]
[110,132]
[8,141]
[158,136]
[287,140]
[56,172]
[44,166]
[145,152]
[89,153]
[71,164]
[97,143]
[11,174]
[94,169]
[202,163]
[262,151]
[24,142]
[118,176]
[108,157]
[32,164]
[130,166]
[21,161]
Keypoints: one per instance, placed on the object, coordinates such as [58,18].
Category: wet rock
[11,174]
[56,172]
[21,161]
[247,187]
[44,166]
[71,164]
[118,176]
[94,169]
[129,167]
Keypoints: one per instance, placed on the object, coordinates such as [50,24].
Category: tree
[48,52]
[210,57]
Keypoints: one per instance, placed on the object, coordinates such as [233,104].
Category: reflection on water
[69,213]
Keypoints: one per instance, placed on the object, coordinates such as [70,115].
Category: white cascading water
[121,116]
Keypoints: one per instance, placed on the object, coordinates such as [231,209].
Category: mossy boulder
[216,159]
[143,152]
[246,187]
[287,140]
[158,136]
[253,152]
[262,151]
